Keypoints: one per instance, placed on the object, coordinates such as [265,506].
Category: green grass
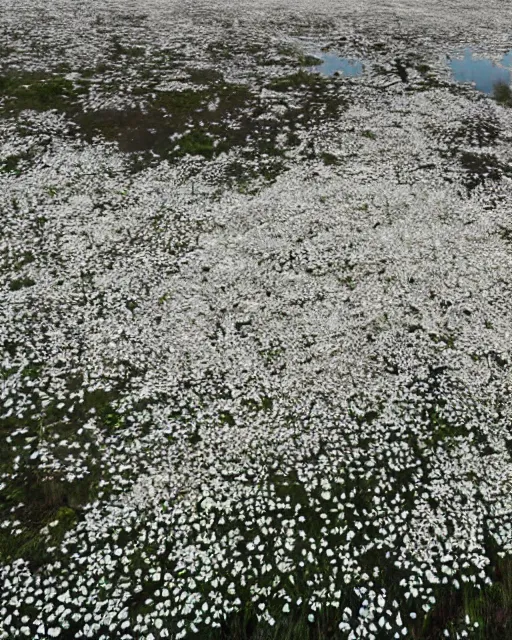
[119,50]
[175,112]
[297,80]
[46,497]
[10,164]
[309,61]
[221,50]
[37,91]
[503,94]
[329,159]
[20,283]
[490,607]
[178,123]
[423,68]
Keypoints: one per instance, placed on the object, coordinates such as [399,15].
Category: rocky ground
[256,322]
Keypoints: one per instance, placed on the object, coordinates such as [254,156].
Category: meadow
[255,318]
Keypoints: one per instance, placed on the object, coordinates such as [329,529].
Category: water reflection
[506,61]
[331,63]
[485,74]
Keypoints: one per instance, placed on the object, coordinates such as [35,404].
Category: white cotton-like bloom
[431,577]
[311,617]
[207,503]
[286,607]
[54,632]
[269,324]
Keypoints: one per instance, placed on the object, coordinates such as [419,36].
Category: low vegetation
[255,367]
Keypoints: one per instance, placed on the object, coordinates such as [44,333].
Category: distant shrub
[503,94]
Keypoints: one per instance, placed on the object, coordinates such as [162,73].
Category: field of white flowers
[256,322]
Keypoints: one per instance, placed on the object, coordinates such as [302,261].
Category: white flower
[431,577]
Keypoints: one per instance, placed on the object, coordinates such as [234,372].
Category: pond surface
[506,61]
[332,63]
[483,73]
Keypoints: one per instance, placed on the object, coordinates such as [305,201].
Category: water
[331,63]
[506,61]
[483,73]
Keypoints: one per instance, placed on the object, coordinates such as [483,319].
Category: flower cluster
[291,400]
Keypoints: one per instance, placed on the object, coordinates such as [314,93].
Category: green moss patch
[37,91]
